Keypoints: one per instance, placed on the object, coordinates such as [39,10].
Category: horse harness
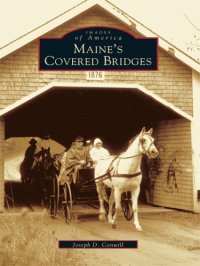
[109,173]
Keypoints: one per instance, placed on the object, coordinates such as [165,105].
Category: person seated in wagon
[98,152]
[77,157]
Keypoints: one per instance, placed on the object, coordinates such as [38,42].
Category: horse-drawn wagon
[116,178]
[83,191]
[115,181]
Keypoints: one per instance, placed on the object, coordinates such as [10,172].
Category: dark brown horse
[40,174]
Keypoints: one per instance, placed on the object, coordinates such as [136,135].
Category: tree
[193,47]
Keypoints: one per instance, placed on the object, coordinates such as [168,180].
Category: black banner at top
[98,48]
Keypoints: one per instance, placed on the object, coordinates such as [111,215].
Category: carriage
[117,180]
[84,190]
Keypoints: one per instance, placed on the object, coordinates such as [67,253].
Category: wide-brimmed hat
[32,141]
[79,139]
[97,140]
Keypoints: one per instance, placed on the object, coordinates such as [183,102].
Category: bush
[28,241]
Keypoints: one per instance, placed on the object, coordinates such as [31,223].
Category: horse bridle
[146,151]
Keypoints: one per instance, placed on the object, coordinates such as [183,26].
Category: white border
[195,133]
[112,9]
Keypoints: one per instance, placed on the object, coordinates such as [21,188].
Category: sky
[172,19]
[176,20]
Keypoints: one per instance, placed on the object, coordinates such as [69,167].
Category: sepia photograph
[99,133]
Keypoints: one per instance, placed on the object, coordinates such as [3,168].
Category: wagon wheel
[54,197]
[67,202]
[126,203]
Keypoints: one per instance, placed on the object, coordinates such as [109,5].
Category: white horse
[122,173]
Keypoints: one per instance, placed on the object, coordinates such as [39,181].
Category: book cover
[107,90]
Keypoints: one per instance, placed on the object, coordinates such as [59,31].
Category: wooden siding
[173,190]
[19,71]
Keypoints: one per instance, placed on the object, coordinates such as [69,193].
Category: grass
[28,240]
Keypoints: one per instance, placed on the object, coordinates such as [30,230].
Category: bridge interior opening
[114,115]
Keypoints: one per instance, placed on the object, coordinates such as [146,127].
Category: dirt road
[168,238]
